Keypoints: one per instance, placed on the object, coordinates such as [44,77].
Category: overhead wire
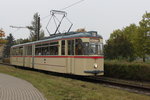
[72,5]
[64,8]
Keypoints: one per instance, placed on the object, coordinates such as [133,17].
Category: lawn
[60,88]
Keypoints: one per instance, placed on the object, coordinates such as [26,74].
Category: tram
[77,53]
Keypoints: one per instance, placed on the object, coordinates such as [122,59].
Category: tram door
[28,58]
[33,54]
[70,59]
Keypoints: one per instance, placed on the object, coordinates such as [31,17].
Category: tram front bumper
[94,71]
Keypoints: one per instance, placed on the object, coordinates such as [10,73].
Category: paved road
[12,88]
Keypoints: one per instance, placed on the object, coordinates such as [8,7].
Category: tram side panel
[28,62]
[13,60]
[18,61]
[51,63]
[79,66]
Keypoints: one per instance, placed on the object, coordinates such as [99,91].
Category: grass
[60,88]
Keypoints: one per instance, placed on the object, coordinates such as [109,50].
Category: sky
[103,16]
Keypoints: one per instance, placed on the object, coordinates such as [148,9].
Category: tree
[118,46]
[142,41]
[130,33]
[20,41]
[2,34]
[81,30]
[130,42]
[10,42]
[34,28]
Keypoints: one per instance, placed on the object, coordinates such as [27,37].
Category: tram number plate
[94,40]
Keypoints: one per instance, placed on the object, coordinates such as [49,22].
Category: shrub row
[131,71]
[6,60]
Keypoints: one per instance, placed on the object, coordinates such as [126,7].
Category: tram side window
[86,48]
[70,47]
[17,51]
[79,47]
[42,49]
[38,50]
[13,51]
[29,50]
[47,49]
[20,51]
[54,48]
[63,47]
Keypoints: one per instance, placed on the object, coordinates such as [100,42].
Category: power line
[64,8]
[72,5]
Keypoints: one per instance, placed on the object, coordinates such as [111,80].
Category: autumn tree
[81,30]
[2,34]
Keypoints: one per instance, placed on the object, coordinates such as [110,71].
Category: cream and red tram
[78,53]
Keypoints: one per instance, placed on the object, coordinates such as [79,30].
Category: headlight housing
[95,66]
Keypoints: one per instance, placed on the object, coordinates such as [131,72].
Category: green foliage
[20,41]
[10,42]
[130,42]
[125,70]
[6,60]
[141,40]
[118,46]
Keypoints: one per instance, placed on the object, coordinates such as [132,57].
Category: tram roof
[64,36]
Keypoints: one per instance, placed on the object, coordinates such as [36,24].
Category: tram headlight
[95,66]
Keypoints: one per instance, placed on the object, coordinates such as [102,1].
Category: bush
[6,60]
[125,70]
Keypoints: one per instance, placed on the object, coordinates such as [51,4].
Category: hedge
[6,60]
[131,71]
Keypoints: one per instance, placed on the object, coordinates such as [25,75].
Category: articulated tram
[78,53]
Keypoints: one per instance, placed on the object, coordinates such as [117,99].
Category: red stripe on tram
[92,57]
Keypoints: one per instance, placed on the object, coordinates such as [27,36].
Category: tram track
[131,86]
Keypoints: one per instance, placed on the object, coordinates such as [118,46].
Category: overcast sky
[103,16]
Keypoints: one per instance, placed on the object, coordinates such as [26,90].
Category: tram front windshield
[90,49]
[95,49]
